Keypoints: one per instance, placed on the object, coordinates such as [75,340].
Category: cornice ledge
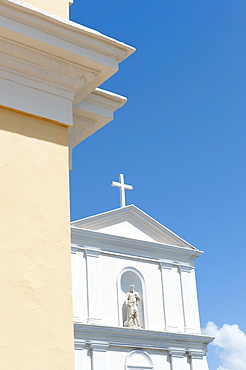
[67,30]
[121,336]
[50,64]
[112,239]
[91,114]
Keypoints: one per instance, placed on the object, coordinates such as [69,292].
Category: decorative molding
[99,346]
[186,268]
[50,64]
[109,243]
[166,265]
[91,114]
[79,344]
[141,338]
[131,212]
[92,252]
[177,352]
[196,354]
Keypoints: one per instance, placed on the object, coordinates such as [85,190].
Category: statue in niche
[132,299]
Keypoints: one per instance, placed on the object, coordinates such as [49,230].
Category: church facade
[50,70]
[115,255]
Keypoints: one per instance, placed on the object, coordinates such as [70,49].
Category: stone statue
[132,299]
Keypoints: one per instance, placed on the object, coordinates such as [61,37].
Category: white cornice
[102,220]
[73,33]
[116,336]
[91,238]
[50,64]
[91,114]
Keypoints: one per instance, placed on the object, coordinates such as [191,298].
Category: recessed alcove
[131,276]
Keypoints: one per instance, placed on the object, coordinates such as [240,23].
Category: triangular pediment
[131,222]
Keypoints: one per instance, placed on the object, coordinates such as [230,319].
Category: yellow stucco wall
[56,7]
[36,328]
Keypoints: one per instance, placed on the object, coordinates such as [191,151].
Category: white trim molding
[49,64]
[140,338]
[198,359]
[92,113]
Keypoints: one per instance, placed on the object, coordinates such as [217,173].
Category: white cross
[122,188]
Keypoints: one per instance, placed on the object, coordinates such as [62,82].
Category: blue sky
[180,139]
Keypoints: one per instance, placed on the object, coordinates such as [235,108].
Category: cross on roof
[122,186]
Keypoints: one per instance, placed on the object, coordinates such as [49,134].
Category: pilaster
[93,286]
[78,348]
[189,299]
[99,355]
[177,358]
[197,359]
[168,297]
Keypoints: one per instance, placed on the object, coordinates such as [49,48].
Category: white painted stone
[141,221]
[197,360]
[139,360]
[78,353]
[163,274]
[99,355]
[91,114]
[93,286]
[169,303]
[190,305]
[178,358]
[50,65]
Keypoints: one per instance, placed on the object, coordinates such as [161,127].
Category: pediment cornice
[155,231]
[113,243]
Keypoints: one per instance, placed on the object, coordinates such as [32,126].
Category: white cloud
[232,344]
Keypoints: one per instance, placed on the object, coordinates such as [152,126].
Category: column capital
[90,252]
[196,354]
[186,268]
[166,265]
[177,352]
[99,346]
[79,344]
[74,249]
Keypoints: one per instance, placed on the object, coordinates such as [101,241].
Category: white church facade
[123,247]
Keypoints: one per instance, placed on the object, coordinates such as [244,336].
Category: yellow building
[49,102]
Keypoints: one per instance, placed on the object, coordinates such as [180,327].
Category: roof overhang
[92,113]
[49,64]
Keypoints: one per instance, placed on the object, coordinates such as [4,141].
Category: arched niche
[127,277]
[138,360]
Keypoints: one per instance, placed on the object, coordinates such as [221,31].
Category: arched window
[131,276]
[138,360]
